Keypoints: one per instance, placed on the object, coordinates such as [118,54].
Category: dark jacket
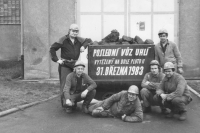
[176,86]
[68,49]
[118,104]
[71,83]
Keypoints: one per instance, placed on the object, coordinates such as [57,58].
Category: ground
[15,91]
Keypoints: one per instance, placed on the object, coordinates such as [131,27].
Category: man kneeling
[79,86]
[125,105]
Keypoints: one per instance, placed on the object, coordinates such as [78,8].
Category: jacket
[118,104]
[175,86]
[155,79]
[71,83]
[172,54]
[68,49]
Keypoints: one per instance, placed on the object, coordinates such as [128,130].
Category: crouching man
[125,105]
[150,84]
[79,86]
[173,92]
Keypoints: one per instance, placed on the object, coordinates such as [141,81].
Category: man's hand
[100,109]
[82,49]
[123,117]
[180,70]
[68,102]
[60,62]
[163,96]
[84,93]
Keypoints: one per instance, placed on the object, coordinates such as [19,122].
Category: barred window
[10,12]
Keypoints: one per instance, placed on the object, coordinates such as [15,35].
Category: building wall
[10,42]
[44,23]
[47,20]
[189,37]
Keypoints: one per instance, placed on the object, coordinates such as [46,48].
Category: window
[10,12]
[130,17]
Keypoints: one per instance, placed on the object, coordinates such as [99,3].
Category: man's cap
[74,27]
[79,63]
[133,89]
[168,65]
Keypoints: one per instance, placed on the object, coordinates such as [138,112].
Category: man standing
[71,45]
[125,105]
[150,84]
[174,92]
[79,86]
[167,51]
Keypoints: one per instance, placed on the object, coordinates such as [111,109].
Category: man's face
[79,70]
[154,69]
[163,38]
[131,96]
[168,73]
[73,33]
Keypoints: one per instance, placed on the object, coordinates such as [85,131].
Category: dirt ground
[14,91]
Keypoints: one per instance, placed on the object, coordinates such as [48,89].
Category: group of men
[168,90]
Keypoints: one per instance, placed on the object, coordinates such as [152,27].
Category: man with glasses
[71,45]
[79,86]
[166,51]
[124,105]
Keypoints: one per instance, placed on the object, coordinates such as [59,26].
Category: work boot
[85,109]
[74,106]
[68,110]
[147,109]
[165,111]
[182,116]
[170,115]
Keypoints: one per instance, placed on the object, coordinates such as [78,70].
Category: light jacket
[155,79]
[71,83]
[118,104]
[172,54]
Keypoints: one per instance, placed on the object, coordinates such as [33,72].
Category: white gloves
[68,102]
[60,61]
[82,49]
[164,97]
[180,70]
[84,93]
[123,117]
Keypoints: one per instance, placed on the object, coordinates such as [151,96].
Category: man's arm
[145,82]
[111,100]
[179,90]
[92,84]
[137,115]
[177,55]
[54,47]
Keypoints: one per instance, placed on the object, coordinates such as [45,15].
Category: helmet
[133,89]
[163,31]
[168,65]
[154,62]
[73,27]
[79,63]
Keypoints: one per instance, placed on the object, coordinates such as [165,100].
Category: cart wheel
[107,95]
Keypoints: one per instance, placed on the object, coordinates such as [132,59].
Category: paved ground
[48,117]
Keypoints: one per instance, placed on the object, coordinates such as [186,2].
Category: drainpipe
[22,40]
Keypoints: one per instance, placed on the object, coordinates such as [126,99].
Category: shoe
[182,116]
[147,109]
[85,109]
[68,110]
[74,107]
[165,111]
[170,115]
